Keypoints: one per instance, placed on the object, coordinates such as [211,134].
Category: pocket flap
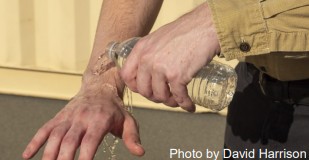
[272,8]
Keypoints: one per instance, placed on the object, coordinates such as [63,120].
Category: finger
[71,141]
[143,81]
[38,140]
[92,139]
[52,147]
[180,94]
[161,90]
[171,102]
[129,80]
[131,137]
[128,72]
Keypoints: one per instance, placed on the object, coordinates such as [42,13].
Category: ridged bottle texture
[212,87]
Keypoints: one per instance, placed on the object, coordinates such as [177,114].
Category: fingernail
[138,143]
[27,153]
[190,109]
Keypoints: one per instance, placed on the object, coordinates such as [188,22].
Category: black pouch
[278,122]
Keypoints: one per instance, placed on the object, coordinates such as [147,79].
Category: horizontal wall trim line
[45,84]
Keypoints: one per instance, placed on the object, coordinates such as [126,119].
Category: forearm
[119,20]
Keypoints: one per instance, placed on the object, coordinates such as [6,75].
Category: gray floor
[20,117]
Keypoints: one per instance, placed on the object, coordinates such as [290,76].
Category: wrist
[97,82]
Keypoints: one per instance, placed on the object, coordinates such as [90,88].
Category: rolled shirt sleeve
[254,27]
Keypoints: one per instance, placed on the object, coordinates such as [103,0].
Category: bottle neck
[111,50]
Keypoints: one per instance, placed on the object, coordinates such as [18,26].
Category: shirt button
[244,47]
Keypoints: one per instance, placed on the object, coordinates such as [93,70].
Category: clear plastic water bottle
[212,87]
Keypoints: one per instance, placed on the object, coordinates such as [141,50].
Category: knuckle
[83,112]
[59,116]
[55,134]
[186,79]
[102,119]
[42,131]
[158,66]
[178,77]
[144,59]
[78,125]
[125,75]
[88,139]
[145,92]
[58,132]
[129,80]
[68,140]
[172,76]
[102,115]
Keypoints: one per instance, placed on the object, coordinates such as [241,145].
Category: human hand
[164,62]
[84,122]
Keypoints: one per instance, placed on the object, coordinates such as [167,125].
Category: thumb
[131,136]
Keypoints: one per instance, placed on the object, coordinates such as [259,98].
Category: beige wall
[47,34]
[57,35]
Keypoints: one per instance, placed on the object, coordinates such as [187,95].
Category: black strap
[292,92]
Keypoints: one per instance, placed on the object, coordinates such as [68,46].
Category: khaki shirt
[282,66]
[271,34]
